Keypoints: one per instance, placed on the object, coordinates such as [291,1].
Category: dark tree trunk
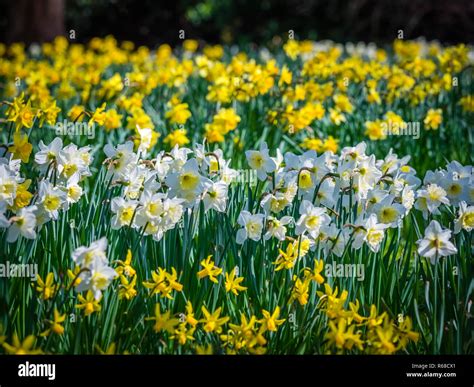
[35,20]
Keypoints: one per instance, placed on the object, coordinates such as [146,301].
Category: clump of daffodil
[163,283]
[297,249]
[248,337]
[301,286]
[223,122]
[21,113]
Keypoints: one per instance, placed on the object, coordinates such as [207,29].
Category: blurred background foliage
[152,22]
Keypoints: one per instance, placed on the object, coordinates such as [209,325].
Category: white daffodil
[215,197]
[122,158]
[261,161]
[145,135]
[179,157]
[274,203]
[354,155]
[174,211]
[456,188]
[48,153]
[8,185]
[391,163]
[389,212]
[187,179]
[227,174]
[162,164]
[276,227]
[374,197]
[436,243]
[429,199]
[136,180]
[85,257]
[73,189]
[408,198]
[70,162]
[465,220]
[123,212]
[151,208]
[367,175]
[335,240]
[252,226]
[459,171]
[51,198]
[308,169]
[96,278]
[311,220]
[23,223]
[327,193]
[371,232]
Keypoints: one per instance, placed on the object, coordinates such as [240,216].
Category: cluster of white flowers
[453,186]
[379,194]
[61,171]
[95,274]
[157,192]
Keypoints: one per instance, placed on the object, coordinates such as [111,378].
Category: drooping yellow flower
[73,275]
[98,116]
[112,119]
[209,270]
[177,137]
[25,347]
[300,290]
[21,148]
[163,283]
[204,349]
[23,196]
[190,319]
[212,322]
[375,130]
[178,114]
[232,283]
[46,288]
[163,322]
[125,267]
[433,119]
[20,113]
[127,287]
[55,324]
[88,303]
[270,321]
[183,334]
[315,274]
[342,336]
